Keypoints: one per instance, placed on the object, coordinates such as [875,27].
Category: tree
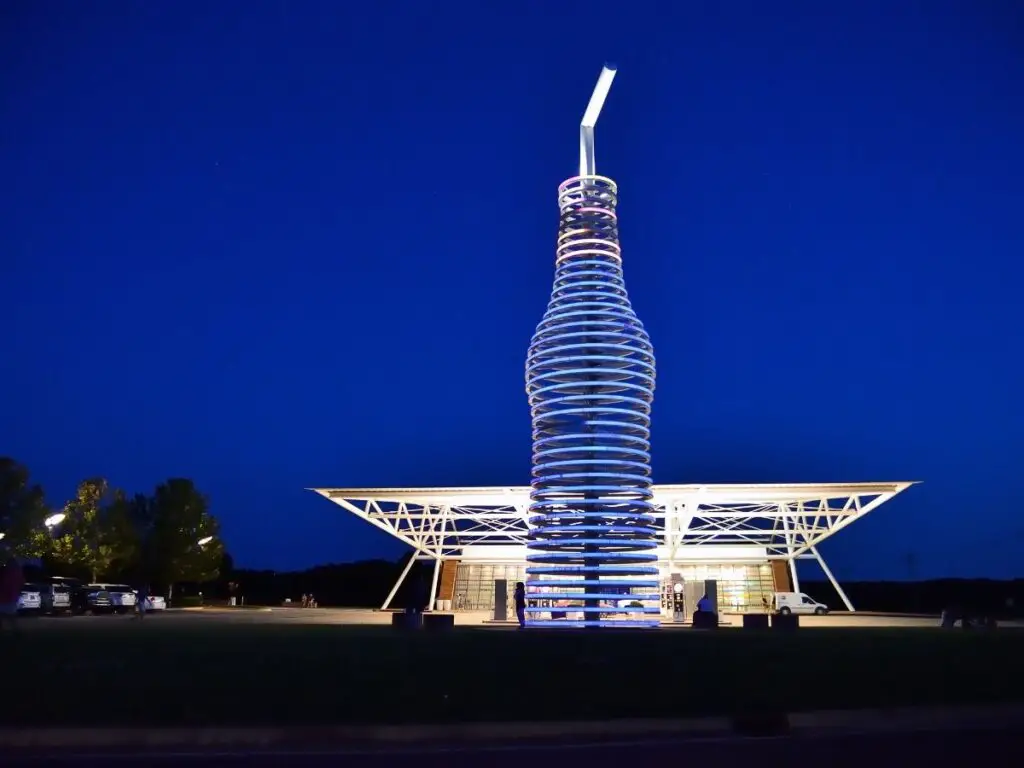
[227,565]
[22,512]
[181,536]
[96,533]
[121,534]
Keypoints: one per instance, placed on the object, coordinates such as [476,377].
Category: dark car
[122,596]
[85,598]
[90,599]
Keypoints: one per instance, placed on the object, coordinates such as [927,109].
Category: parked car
[91,599]
[155,603]
[85,598]
[122,597]
[55,597]
[31,598]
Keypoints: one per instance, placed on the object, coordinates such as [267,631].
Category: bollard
[755,621]
[438,621]
[785,621]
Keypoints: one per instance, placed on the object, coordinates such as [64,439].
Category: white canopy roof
[788,519]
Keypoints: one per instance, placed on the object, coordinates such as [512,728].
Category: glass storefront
[741,588]
[474,584]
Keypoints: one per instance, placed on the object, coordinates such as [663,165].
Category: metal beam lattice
[789,521]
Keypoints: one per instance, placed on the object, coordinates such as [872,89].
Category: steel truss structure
[787,521]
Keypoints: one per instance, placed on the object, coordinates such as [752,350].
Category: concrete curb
[911,718]
[267,737]
[1002,620]
[808,723]
[221,609]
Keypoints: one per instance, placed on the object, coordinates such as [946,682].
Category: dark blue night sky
[272,245]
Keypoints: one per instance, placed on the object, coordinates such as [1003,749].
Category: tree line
[103,533]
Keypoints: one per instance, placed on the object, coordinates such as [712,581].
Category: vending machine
[678,603]
[673,599]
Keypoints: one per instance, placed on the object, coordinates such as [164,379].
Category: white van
[797,602]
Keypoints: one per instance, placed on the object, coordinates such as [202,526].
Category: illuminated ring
[590,376]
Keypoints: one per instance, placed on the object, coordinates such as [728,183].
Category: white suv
[31,598]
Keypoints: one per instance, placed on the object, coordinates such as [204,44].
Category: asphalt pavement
[940,748]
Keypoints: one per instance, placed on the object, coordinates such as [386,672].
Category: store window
[741,588]
[474,584]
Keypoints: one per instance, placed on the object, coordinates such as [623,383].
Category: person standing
[519,597]
[140,601]
[12,579]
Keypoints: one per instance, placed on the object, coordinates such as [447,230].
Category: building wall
[780,576]
[446,584]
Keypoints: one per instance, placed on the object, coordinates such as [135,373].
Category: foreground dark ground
[113,672]
[946,748]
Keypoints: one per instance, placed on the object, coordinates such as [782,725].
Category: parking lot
[368,617]
[181,616]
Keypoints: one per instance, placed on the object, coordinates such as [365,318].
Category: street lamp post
[202,543]
[199,543]
[54,520]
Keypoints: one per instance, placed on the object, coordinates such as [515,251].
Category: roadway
[950,747]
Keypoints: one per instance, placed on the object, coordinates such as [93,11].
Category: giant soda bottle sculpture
[590,380]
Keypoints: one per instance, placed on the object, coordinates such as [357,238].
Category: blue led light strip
[590,381]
